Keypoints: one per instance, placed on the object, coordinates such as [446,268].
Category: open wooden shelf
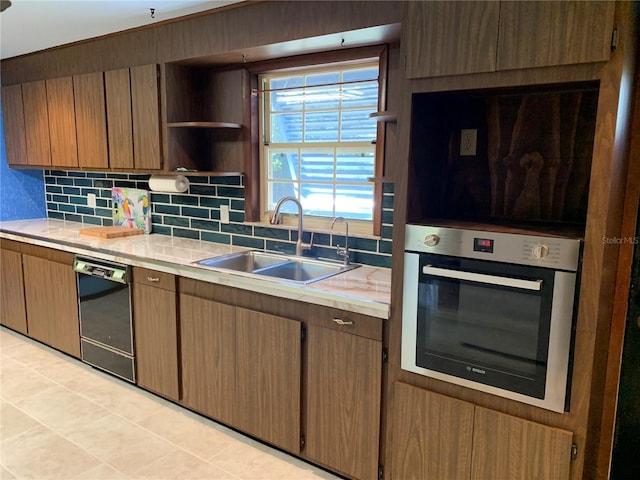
[204,125]
[384,116]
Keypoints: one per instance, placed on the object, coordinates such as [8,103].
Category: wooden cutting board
[110,232]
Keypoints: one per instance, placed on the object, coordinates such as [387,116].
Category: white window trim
[311,222]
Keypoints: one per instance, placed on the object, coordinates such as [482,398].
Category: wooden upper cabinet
[145,110]
[117,86]
[14,132]
[36,123]
[510,447]
[454,38]
[539,34]
[432,436]
[91,120]
[62,122]
[450,38]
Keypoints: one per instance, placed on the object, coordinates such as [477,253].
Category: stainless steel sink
[244,261]
[289,268]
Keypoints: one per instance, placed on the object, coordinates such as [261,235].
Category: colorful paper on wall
[131,208]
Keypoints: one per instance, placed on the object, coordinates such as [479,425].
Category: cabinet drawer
[154,278]
[347,322]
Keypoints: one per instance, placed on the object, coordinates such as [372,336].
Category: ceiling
[32,25]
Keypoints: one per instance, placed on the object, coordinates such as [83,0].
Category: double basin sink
[290,268]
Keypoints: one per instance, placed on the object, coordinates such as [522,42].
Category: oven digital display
[483,245]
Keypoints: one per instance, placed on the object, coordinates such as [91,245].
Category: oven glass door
[485,321]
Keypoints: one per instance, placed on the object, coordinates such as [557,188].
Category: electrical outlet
[468,141]
[91,200]
[224,214]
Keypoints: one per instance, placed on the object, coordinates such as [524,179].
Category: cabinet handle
[342,322]
[153,279]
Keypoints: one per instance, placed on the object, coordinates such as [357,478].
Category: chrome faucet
[343,252]
[300,247]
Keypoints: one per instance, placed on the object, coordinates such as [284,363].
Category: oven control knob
[431,240]
[540,251]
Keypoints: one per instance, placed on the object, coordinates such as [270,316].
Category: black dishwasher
[106,332]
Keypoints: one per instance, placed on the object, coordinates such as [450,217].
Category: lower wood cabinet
[12,308]
[439,437]
[344,376]
[208,357]
[505,445]
[243,368]
[51,300]
[156,332]
[432,435]
[268,377]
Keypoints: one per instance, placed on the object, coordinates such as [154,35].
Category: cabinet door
[52,303]
[12,309]
[450,38]
[156,337]
[540,34]
[510,447]
[36,123]
[145,111]
[432,435]
[118,96]
[62,122]
[208,357]
[344,375]
[13,120]
[91,120]
[268,377]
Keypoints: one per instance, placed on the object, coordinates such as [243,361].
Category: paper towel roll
[168,183]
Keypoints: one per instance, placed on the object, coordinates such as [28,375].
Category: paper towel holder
[168,183]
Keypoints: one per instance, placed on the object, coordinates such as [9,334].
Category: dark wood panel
[36,123]
[119,123]
[156,339]
[51,303]
[268,350]
[13,121]
[208,357]
[432,435]
[91,121]
[451,38]
[145,113]
[216,32]
[62,122]
[344,374]
[12,308]
[509,447]
[540,34]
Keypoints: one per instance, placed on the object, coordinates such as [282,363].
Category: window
[318,142]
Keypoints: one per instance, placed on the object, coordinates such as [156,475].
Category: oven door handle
[483,278]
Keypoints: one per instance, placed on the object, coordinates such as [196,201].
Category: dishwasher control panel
[109,271]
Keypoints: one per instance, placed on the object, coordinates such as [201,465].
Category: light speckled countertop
[363,290]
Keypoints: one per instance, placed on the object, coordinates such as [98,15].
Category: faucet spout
[343,252]
[300,246]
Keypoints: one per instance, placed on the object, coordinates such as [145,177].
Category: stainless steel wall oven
[491,311]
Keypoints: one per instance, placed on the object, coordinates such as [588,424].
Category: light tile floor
[61,419]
